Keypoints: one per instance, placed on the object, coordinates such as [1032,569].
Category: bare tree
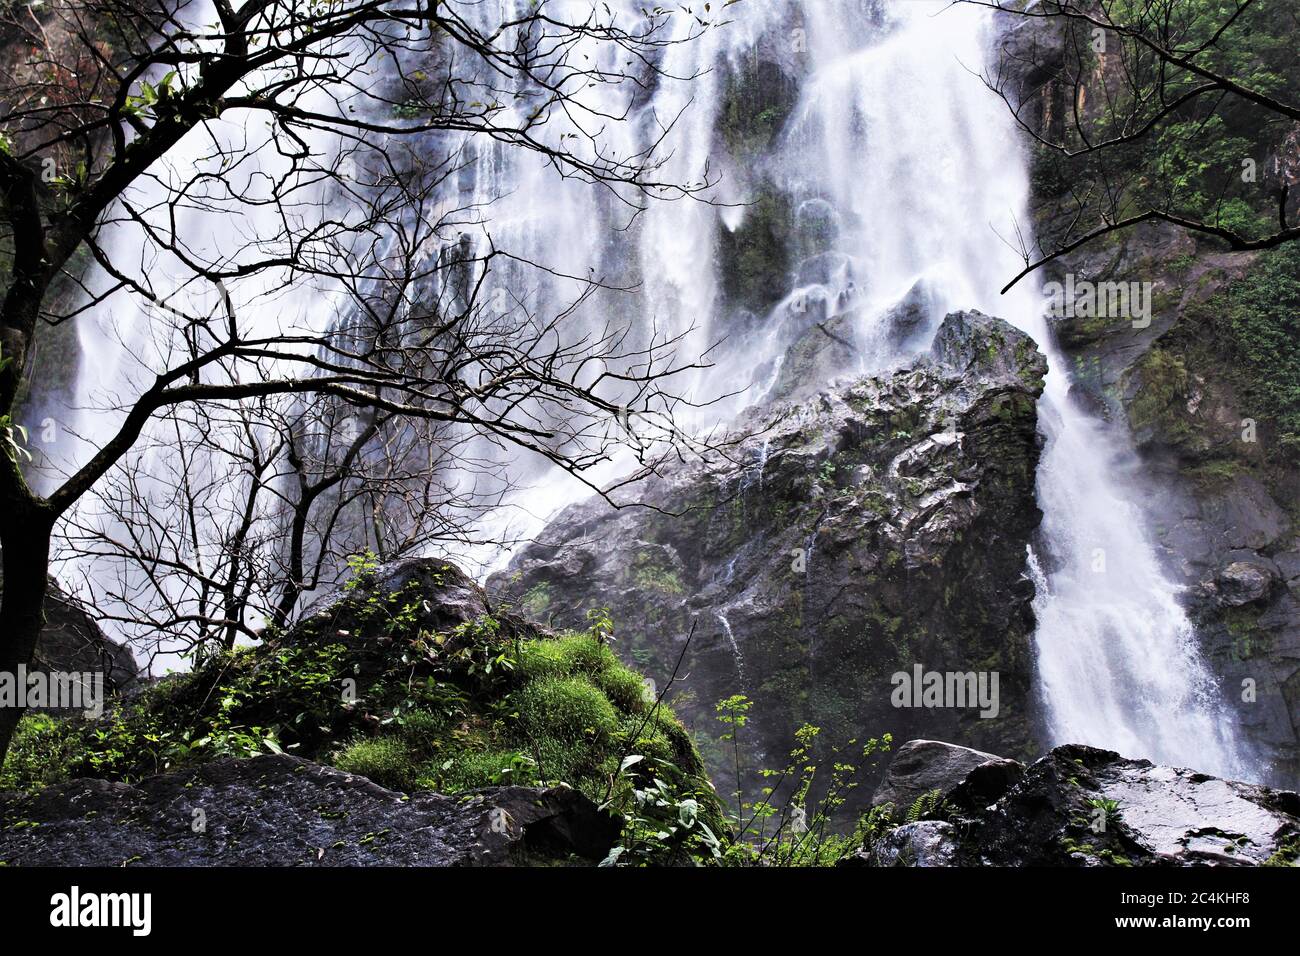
[1156,111]
[105,92]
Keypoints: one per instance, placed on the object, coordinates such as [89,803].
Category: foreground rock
[877,526]
[923,767]
[282,811]
[1080,806]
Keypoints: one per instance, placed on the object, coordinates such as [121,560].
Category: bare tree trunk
[26,556]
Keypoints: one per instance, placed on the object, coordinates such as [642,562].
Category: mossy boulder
[755,259]
[408,677]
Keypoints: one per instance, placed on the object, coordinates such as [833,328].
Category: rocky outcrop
[1079,806]
[925,843]
[1211,447]
[875,527]
[71,642]
[909,324]
[282,811]
[923,767]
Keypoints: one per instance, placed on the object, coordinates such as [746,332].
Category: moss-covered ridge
[405,677]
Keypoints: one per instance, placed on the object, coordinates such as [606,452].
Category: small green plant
[925,807]
[733,713]
[362,567]
[13,438]
[791,822]
[664,827]
[1109,807]
[600,625]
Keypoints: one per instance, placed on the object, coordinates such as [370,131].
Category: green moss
[757,101]
[566,707]
[482,768]
[481,704]
[756,259]
[536,600]
[650,575]
[1213,474]
[1287,854]
[1159,405]
[388,761]
[1263,327]
[1249,640]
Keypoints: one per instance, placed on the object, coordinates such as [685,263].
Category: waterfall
[221,213]
[905,178]
[926,171]
[736,653]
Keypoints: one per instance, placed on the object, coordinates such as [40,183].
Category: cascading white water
[925,179]
[917,174]
[220,213]
[928,175]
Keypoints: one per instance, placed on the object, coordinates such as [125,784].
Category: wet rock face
[1086,807]
[924,843]
[1031,66]
[877,526]
[910,324]
[1079,806]
[1177,382]
[1217,494]
[282,811]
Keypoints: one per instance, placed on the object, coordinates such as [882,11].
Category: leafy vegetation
[486,702]
[1263,320]
[1236,347]
[1140,128]
[483,703]
[797,816]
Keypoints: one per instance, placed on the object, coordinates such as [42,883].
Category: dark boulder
[909,324]
[1242,582]
[282,811]
[408,596]
[1080,806]
[827,348]
[924,843]
[921,767]
[880,524]
[1086,807]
